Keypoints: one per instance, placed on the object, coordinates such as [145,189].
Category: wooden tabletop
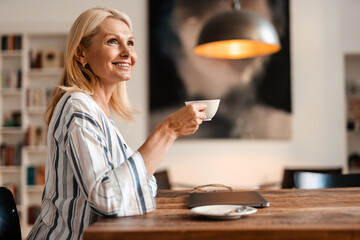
[293,214]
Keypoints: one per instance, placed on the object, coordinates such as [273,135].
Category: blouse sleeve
[153,186]
[112,191]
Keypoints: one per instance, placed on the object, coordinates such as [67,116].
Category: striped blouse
[91,173]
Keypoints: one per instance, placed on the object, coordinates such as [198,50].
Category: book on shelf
[46,58]
[10,155]
[11,42]
[12,118]
[34,97]
[40,175]
[35,175]
[11,78]
[37,97]
[35,136]
[33,213]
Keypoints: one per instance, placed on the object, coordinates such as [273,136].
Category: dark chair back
[288,178]
[312,180]
[9,218]
[162,179]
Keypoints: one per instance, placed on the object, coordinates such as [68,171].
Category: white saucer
[222,211]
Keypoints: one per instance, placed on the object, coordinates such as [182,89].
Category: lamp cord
[236,5]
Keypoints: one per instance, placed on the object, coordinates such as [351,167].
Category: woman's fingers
[199,106]
[201,116]
[187,120]
[199,109]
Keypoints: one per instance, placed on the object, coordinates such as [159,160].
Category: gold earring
[83,64]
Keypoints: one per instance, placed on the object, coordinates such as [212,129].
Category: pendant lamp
[237,34]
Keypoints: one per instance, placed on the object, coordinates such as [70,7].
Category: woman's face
[111,53]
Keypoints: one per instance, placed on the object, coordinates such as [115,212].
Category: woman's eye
[131,43]
[112,41]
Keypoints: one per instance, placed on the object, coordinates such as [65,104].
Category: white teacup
[212,107]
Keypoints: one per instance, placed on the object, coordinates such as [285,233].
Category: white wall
[321,31]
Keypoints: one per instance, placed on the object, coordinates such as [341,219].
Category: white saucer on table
[223,211]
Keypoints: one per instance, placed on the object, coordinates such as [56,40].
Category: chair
[9,218]
[288,177]
[310,180]
[162,179]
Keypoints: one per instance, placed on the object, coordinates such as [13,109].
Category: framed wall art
[255,93]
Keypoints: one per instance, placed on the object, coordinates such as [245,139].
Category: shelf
[19,100]
[11,53]
[352,93]
[11,91]
[35,149]
[11,130]
[45,72]
[10,169]
[35,110]
[35,188]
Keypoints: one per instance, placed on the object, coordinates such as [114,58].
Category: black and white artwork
[255,93]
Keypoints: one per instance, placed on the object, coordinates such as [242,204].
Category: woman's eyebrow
[131,37]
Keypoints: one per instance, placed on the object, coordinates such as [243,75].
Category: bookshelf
[352,80]
[30,67]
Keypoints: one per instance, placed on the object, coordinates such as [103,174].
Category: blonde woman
[91,172]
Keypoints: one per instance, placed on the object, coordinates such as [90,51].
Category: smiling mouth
[122,64]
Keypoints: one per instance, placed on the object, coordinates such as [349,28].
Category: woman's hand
[183,122]
[187,120]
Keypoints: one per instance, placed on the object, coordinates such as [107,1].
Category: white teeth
[122,64]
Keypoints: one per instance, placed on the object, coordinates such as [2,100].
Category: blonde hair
[78,78]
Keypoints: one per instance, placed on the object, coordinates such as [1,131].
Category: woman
[91,172]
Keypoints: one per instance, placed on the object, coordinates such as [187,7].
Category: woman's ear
[79,56]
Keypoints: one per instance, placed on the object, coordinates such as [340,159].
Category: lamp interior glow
[237,34]
[236,49]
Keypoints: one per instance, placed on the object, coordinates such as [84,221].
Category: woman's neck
[102,97]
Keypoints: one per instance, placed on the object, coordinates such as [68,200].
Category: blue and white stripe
[90,173]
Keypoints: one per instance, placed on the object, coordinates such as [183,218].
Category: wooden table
[293,214]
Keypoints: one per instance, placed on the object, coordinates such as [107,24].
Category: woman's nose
[124,52]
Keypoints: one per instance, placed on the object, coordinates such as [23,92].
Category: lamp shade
[237,34]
